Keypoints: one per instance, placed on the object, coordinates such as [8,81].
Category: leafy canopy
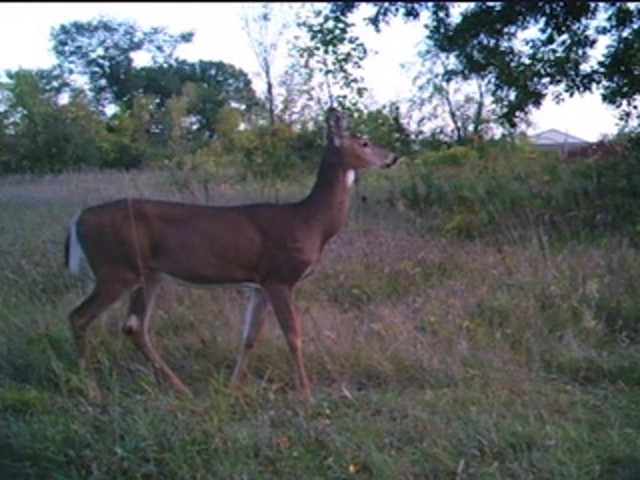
[529,50]
[103,50]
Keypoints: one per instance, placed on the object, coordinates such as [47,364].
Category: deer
[133,245]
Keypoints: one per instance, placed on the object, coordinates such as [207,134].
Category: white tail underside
[76,254]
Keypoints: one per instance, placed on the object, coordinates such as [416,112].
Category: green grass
[432,357]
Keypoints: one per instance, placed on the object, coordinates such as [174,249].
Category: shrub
[492,189]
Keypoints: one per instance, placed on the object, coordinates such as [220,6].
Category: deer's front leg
[282,303]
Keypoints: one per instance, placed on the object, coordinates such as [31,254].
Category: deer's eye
[364,143]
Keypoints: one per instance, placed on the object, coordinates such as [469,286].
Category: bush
[453,156]
[492,189]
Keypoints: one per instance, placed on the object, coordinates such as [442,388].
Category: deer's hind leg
[137,326]
[254,321]
[102,297]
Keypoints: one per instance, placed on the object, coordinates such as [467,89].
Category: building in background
[556,140]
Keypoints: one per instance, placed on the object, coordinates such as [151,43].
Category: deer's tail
[73,252]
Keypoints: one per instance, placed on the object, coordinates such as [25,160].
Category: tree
[129,134]
[216,84]
[47,135]
[619,67]
[180,127]
[527,51]
[103,51]
[457,110]
[191,161]
[333,56]
[265,26]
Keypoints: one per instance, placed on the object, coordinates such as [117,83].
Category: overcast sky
[25,30]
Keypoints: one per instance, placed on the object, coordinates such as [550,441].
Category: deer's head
[354,151]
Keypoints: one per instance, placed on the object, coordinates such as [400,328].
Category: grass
[432,357]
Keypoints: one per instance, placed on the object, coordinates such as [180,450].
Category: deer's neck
[327,205]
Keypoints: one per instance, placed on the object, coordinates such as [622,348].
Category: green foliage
[335,56]
[490,189]
[128,144]
[453,156]
[45,135]
[166,109]
[528,50]
[102,49]
[214,85]
[270,154]
[200,169]
[605,191]
[384,127]
[201,164]
[485,41]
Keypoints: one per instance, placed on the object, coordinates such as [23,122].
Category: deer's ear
[337,126]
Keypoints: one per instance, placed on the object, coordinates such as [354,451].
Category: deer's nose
[393,161]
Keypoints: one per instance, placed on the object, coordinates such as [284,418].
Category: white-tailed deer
[132,245]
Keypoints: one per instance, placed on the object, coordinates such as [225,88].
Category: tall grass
[492,192]
[435,353]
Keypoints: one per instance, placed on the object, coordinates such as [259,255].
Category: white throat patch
[350,178]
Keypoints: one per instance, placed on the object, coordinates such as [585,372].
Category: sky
[25,35]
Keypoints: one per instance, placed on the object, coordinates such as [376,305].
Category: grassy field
[432,357]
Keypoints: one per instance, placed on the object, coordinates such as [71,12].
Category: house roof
[556,137]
